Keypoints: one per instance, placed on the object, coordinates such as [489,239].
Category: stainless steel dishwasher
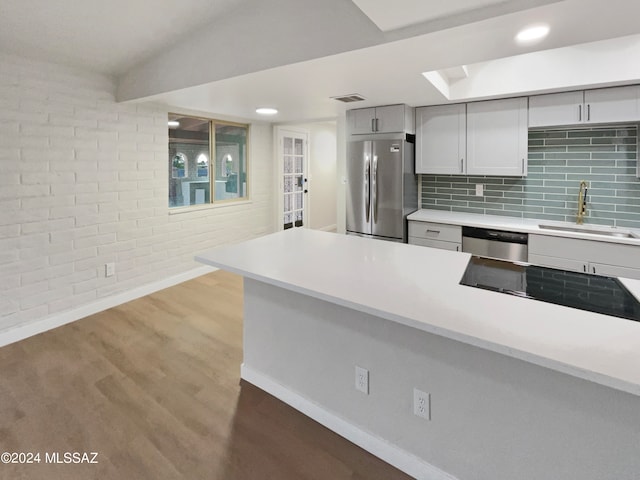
[495,243]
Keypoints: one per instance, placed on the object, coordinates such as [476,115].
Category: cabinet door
[613,270]
[557,262]
[361,120]
[441,139]
[618,104]
[556,109]
[497,137]
[390,119]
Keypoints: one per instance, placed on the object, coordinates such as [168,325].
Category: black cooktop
[584,291]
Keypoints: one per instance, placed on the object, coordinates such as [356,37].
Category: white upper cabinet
[604,105]
[441,139]
[392,118]
[556,109]
[618,104]
[361,120]
[497,137]
[386,119]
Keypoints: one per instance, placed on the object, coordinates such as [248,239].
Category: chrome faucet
[582,202]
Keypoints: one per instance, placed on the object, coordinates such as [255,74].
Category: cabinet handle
[523,166]
[584,268]
[377,126]
[373,124]
[593,269]
[588,112]
[462,165]
[457,248]
[433,231]
[579,113]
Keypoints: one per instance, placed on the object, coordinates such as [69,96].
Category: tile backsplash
[605,157]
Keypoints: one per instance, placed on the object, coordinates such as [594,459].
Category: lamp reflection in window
[203,165]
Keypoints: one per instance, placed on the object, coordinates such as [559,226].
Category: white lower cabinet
[435,235]
[601,258]
[613,270]
[557,262]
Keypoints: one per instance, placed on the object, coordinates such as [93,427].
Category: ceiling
[393,15]
[227,57]
[392,72]
[103,36]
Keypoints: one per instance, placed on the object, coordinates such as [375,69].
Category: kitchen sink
[612,232]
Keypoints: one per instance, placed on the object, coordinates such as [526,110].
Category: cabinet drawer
[436,231]
[424,242]
[557,262]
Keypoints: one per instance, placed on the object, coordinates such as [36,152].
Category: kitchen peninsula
[518,388]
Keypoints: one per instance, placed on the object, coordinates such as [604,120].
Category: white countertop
[419,287]
[524,225]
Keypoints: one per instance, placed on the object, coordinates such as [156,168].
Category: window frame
[213,165]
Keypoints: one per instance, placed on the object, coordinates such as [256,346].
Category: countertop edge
[516,224]
[562,367]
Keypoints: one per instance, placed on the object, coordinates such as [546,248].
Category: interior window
[194,178]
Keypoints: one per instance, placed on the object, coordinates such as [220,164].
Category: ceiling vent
[352,97]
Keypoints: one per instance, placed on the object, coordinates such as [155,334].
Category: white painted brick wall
[83,181]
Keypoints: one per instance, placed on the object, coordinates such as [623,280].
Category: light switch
[479,190]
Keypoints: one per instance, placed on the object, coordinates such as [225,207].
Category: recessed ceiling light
[173,123]
[266,111]
[531,34]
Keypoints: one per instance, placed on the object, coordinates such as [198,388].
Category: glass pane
[288,146]
[298,164]
[231,161]
[288,164]
[203,165]
[299,144]
[288,184]
[188,161]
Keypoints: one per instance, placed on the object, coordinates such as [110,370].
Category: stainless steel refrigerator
[382,187]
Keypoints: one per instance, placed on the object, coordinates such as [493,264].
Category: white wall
[322,174]
[83,181]
[342,174]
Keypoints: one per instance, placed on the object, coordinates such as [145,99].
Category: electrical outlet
[109,269]
[362,380]
[479,190]
[421,404]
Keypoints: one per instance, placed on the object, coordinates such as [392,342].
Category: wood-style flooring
[153,386]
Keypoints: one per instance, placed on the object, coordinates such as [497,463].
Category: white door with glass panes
[293,183]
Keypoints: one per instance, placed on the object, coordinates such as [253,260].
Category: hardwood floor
[154,387]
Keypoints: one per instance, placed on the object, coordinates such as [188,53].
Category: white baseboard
[28,330]
[328,228]
[393,455]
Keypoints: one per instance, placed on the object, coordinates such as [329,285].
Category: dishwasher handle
[495,235]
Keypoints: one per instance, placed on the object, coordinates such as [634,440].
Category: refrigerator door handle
[367,196]
[374,187]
